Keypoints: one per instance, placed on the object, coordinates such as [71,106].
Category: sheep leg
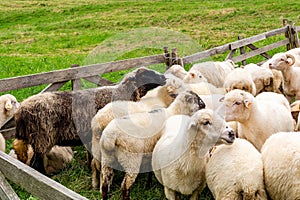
[149,181]
[107,174]
[37,162]
[170,194]
[126,185]
[96,169]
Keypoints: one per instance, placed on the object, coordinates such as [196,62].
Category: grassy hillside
[39,36]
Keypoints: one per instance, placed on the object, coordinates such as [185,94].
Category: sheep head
[210,128]
[238,105]
[189,103]
[141,80]
[281,61]
[194,76]
[8,106]
[177,70]
[174,85]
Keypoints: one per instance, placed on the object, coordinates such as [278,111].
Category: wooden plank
[98,80]
[256,38]
[8,84]
[260,50]
[53,87]
[253,47]
[230,55]
[205,54]
[8,133]
[6,191]
[76,83]
[242,50]
[34,182]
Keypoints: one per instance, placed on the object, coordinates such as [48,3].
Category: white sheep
[291,75]
[180,156]
[8,107]
[161,97]
[239,78]
[194,76]
[295,109]
[204,88]
[262,77]
[177,70]
[281,160]
[129,139]
[236,172]
[277,78]
[215,72]
[258,117]
[283,56]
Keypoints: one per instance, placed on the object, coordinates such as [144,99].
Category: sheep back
[281,155]
[236,172]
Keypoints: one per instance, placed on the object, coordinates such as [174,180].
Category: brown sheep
[63,118]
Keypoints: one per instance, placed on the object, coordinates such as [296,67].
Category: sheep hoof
[125,194]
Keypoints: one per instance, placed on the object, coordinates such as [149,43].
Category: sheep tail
[108,142]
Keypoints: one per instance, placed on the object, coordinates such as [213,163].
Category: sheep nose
[231,134]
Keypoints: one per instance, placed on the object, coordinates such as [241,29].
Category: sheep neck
[174,109]
[287,74]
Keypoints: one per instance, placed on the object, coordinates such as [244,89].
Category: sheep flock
[233,129]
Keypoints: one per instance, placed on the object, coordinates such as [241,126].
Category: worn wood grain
[8,133]
[34,182]
[253,47]
[205,54]
[54,87]
[256,38]
[260,50]
[98,80]
[8,84]
[6,191]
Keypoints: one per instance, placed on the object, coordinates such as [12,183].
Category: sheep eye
[282,59]
[206,123]
[200,76]
[237,103]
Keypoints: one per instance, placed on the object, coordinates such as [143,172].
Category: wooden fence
[44,187]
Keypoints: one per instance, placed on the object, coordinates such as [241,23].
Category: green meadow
[41,36]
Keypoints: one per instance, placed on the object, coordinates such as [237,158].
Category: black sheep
[64,118]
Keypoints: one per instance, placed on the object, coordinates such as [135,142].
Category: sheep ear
[222,99]
[8,105]
[247,103]
[193,124]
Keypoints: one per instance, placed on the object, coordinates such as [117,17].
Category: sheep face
[174,85]
[237,105]
[142,80]
[190,103]
[8,106]
[194,76]
[211,128]
[281,61]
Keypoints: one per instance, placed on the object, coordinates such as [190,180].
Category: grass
[38,36]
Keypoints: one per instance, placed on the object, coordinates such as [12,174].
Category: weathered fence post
[76,83]
[287,35]
[293,35]
[242,51]
[168,58]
